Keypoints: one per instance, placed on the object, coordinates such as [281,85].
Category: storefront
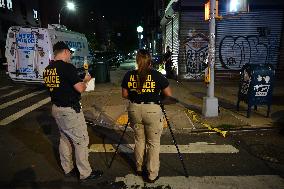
[19,13]
[253,37]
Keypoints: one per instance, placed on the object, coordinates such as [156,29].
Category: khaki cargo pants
[73,132]
[147,122]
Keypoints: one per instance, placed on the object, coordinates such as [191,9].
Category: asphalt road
[29,152]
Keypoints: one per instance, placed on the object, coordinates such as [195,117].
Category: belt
[63,106]
[145,102]
[76,108]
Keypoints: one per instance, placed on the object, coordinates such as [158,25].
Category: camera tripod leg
[117,147]
[174,140]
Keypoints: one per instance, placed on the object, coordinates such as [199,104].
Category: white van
[29,50]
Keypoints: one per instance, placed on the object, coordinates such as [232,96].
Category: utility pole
[210,103]
[140,35]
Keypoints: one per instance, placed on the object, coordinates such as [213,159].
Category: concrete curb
[184,130]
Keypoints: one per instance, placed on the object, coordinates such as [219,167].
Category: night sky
[108,16]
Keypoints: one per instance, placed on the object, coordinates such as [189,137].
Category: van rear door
[23,54]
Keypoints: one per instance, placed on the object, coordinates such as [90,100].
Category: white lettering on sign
[265,78]
[8,5]
[35,14]
[2,4]
[261,90]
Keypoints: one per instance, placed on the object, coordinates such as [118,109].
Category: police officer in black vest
[65,86]
[143,87]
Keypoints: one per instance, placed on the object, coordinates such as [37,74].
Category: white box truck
[29,50]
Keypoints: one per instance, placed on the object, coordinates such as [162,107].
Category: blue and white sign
[25,38]
[26,42]
[75,45]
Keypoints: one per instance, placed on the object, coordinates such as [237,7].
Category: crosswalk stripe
[24,112]
[192,148]
[5,105]
[7,87]
[11,93]
[206,182]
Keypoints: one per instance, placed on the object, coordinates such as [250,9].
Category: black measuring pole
[174,140]
[120,140]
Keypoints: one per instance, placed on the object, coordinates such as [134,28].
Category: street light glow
[139,29]
[234,5]
[70,6]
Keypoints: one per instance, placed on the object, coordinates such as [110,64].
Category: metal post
[140,40]
[59,18]
[210,103]
[59,15]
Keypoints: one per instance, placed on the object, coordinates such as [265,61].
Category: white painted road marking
[192,148]
[206,182]
[7,87]
[5,105]
[11,93]
[24,112]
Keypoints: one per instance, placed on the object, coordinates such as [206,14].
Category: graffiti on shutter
[236,51]
[196,52]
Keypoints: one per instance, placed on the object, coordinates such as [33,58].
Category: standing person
[65,86]
[143,87]
[168,62]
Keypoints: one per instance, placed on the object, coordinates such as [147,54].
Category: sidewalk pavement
[105,106]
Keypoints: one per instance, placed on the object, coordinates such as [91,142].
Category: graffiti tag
[261,90]
[196,52]
[234,52]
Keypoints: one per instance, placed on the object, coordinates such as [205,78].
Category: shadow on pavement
[110,136]
[277,100]
[50,130]
[278,120]
[26,177]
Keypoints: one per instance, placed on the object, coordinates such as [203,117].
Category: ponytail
[143,60]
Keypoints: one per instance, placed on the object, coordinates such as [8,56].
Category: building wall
[152,29]
[171,39]
[192,3]
[280,67]
[21,13]
[253,37]
[193,44]
[249,38]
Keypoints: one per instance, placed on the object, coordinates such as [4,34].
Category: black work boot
[93,176]
[72,173]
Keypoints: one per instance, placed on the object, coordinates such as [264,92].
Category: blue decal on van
[25,38]
[75,45]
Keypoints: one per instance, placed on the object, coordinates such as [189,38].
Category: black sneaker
[72,173]
[93,176]
[152,181]
[144,173]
